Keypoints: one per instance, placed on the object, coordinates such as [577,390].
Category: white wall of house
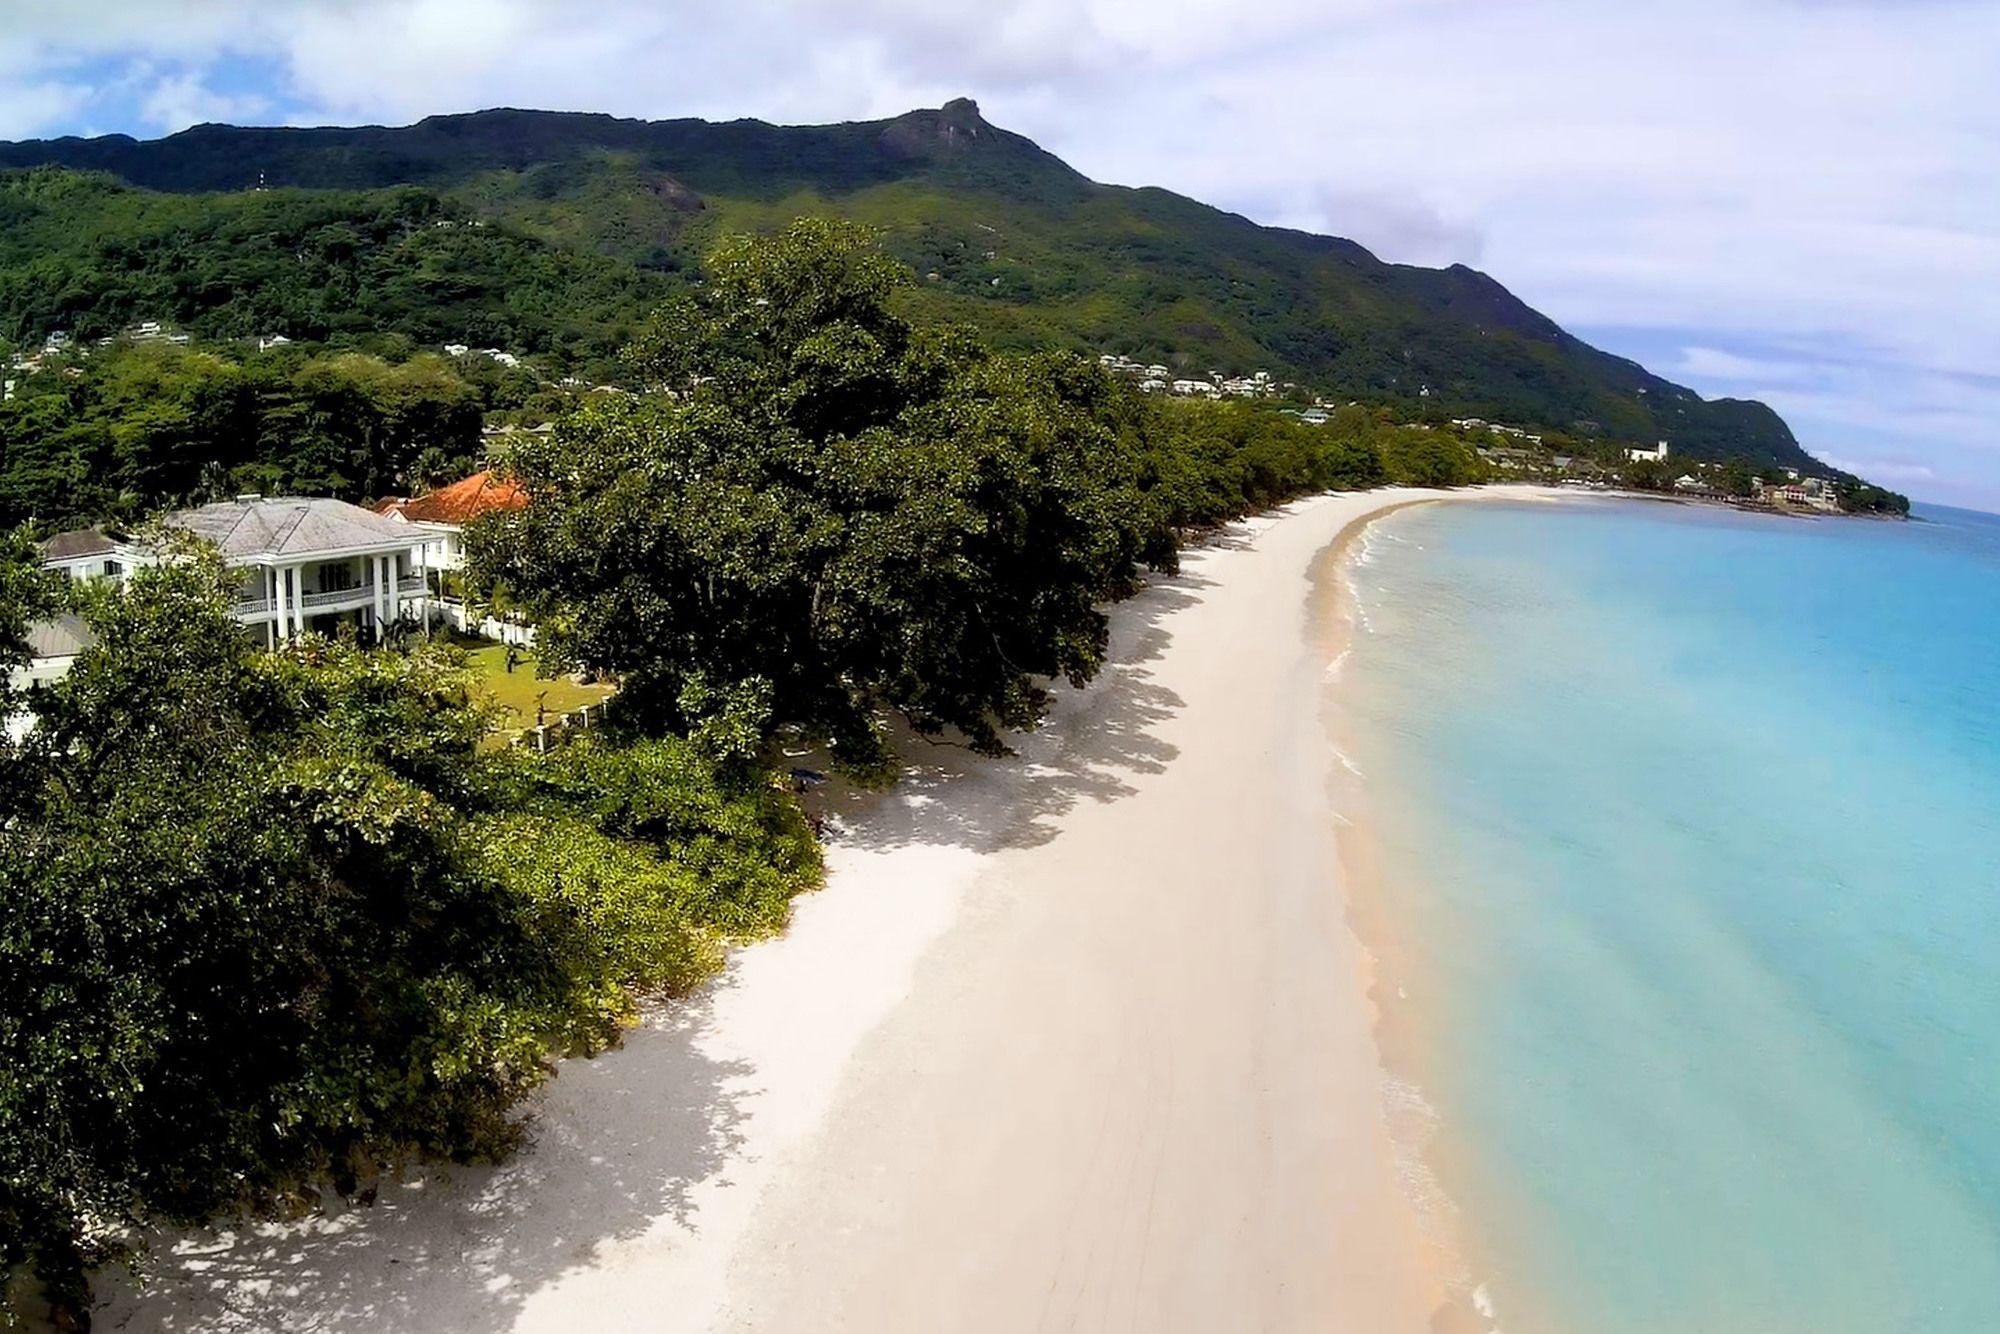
[101,566]
[468,620]
[444,547]
[41,671]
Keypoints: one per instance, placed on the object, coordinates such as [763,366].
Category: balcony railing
[359,596]
[333,597]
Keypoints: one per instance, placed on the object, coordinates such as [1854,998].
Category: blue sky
[1793,200]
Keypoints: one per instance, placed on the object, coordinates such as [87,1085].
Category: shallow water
[1686,834]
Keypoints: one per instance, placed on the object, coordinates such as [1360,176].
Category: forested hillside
[590,218]
[89,256]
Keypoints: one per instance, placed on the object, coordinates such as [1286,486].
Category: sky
[1792,200]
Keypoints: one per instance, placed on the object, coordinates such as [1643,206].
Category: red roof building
[461,502]
[448,509]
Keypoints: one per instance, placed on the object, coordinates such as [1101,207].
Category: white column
[387,564]
[280,604]
[298,601]
[420,564]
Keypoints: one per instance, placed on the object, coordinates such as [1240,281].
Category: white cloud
[176,101]
[1736,175]
[37,108]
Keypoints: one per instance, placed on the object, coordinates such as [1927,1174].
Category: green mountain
[550,232]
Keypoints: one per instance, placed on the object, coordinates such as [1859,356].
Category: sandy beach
[1075,1041]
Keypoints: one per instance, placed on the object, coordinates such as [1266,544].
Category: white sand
[1073,1042]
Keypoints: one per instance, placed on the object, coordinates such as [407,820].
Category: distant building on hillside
[1514,460]
[1817,493]
[1255,385]
[1656,455]
[1690,485]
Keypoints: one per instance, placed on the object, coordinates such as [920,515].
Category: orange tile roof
[462,502]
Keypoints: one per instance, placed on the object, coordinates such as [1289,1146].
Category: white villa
[1658,455]
[308,565]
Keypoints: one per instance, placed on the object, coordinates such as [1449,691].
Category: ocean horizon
[1682,832]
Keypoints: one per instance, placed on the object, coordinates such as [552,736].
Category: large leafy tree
[822,512]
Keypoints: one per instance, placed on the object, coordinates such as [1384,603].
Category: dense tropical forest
[125,430]
[589,220]
[274,923]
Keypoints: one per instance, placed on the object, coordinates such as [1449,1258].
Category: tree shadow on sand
[1095,741]
[463,1247]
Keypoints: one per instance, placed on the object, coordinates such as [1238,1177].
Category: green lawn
[517,692]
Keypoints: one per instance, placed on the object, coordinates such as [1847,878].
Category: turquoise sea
[1687,840]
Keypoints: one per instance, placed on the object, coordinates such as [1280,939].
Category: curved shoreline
[1078,1040]
[1388,959]
[1411,1123]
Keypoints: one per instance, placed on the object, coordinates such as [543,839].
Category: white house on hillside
[307,564]
[1658,455]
